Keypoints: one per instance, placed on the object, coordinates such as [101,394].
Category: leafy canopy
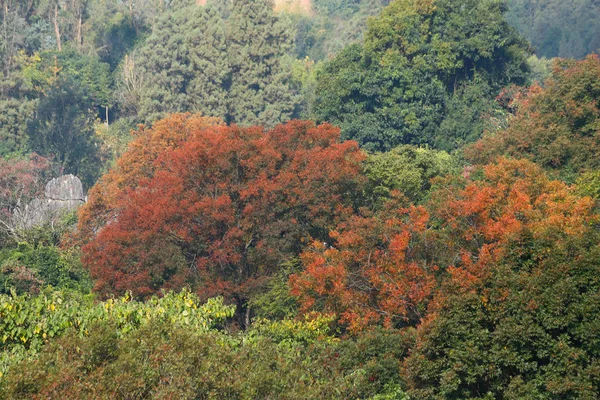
[419,58]
[216,207]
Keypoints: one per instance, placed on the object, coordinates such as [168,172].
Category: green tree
[259,91]
[15,115]
[528,330]
[184,64]
[400,85]
[111,31]
[194,61]
[63,129]
[408,169]
[16,103]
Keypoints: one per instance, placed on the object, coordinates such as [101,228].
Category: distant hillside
[555,28]
[558,28]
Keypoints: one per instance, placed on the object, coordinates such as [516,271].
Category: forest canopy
[321,199]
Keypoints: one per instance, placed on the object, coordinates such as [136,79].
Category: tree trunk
[78,33]
[57,28]
[247,319]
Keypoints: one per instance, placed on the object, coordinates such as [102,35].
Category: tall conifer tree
[260,91]
[184,64]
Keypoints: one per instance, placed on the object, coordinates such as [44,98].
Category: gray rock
[62,194]
[66,187]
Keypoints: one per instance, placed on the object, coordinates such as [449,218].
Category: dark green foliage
[470,111]
[529,330]
[184,64]
[88,72]
[362,100]
[419,62]
[259,91]
[15,114]
[112,30]
[276,302]
[63,129]
[374,359]
[50,107]
[71,91]
[29,267]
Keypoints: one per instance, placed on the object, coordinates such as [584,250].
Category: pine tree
[260,91]
[184,64]
[208,60]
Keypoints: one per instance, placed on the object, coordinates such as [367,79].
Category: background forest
[301,199]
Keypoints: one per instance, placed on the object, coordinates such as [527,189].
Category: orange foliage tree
[384,268]
[483,219]
[219,209]
[557,126]
[516,315]
[373,274]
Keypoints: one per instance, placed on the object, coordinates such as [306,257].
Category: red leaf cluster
[219,207]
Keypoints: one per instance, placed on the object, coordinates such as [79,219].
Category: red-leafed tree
[220,209]
[136,164]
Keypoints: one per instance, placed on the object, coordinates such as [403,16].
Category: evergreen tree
[184,64]
[192,63]
[260,91]
[208,59]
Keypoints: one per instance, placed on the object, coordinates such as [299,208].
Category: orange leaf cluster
[383,268]
[371,276]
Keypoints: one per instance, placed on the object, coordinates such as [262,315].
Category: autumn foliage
[371,275]
[215,207]
[481,220]
[135,165]
[556,126]
[387,267]
[513,317]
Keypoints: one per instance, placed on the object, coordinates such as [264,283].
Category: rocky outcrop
[62,194]
[65,188]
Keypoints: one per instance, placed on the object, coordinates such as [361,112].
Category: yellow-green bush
[27,322]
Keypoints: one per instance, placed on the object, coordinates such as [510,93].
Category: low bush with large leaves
[28,322]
